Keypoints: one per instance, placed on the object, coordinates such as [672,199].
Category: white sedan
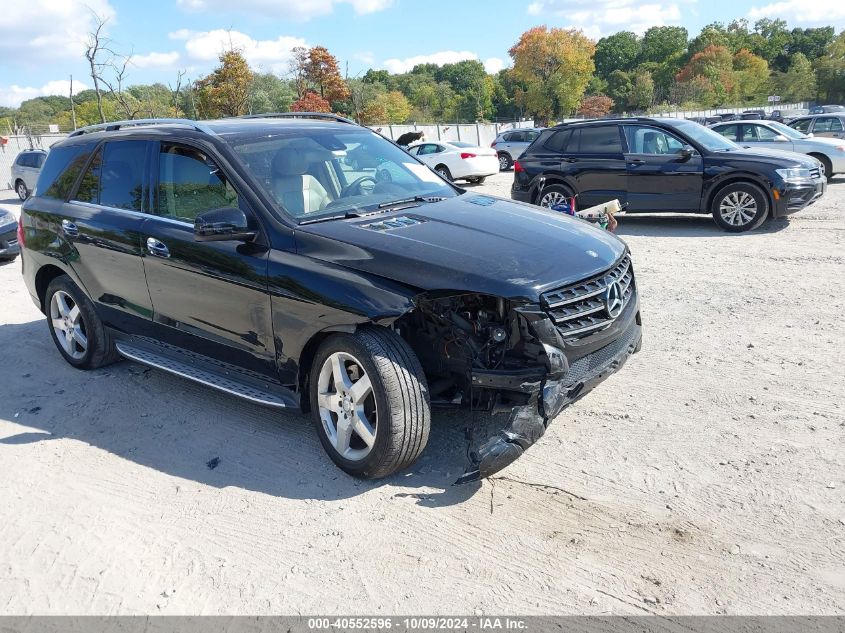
[455,160]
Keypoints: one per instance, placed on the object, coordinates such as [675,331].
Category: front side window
[649,140]
[729,131]
[189,184]
[802,125]
[759,133]
[330,172]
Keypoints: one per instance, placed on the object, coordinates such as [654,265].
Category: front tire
[75,328]
[740,207]
[369,401]
[21,190]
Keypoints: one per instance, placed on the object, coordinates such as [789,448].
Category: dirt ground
[707,477]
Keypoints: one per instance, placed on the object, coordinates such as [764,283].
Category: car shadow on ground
[180,428]
[10,200]
[677,225]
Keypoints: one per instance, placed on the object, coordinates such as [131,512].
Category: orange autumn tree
[311,102]
[595,106]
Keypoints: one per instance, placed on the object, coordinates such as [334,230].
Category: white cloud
[493,65]
[365,57]
[270,54]
[443,57]
[804,13]
[156,60]
[35,31]
[288,9]
[12,96]
[597,17]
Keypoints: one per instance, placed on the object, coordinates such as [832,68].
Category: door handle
[70,228]
[569,160]
[157,248]
[636,161]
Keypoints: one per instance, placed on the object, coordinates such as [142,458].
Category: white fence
[15,145]
[687,114]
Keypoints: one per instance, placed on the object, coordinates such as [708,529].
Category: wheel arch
[43,277]
[741,178]
[544,180]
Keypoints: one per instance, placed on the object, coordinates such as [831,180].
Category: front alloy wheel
[369,401]
[740,207]
[347,406]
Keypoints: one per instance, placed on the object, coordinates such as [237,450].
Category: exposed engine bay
[494,355]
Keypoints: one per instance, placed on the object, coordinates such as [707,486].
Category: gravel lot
[707,477]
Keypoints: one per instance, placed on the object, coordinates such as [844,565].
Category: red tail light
[517,167]
[20,232]
[493,144]
[467,155]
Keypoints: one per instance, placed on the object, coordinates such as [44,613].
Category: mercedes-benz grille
[588,306]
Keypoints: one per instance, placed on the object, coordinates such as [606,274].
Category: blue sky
[43,40]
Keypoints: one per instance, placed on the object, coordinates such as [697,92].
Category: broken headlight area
[484,352]
[495,355]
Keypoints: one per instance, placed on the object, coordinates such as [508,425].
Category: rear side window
[115,176]
[557,140]
[61,169]
[189,184]
[602,139]
[828,124]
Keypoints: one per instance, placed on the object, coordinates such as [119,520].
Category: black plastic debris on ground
[213,463]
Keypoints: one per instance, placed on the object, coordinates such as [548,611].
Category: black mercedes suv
[665,165]
[253,256]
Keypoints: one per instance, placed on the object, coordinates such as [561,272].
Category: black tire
[21,189]
[826,165]
[479,180]
[739,190]
[552,193]
[100,350]
[400,393]
[505,161]
[444,172]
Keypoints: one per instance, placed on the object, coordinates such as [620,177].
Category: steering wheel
[356,185]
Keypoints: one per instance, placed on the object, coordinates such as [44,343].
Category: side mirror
[686,152]
[780,138]
[218,225]
[810,135]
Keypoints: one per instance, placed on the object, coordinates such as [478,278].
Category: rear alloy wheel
[444,172]
[369,401]
[505,161]
[21,190]
[75,327]
[740,207]
[554,194]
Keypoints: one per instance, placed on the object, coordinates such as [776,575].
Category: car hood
[468,243]
[765,154]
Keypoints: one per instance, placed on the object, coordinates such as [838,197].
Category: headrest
[290,162]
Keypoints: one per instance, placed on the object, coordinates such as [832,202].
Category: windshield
[315,173]
[787,131]
[707,138]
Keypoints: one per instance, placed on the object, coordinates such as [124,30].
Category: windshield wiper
[384,205]
[337,216]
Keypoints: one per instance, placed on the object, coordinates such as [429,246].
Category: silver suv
[25,171]
[510,145]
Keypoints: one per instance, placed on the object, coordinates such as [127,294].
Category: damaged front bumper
[550,389]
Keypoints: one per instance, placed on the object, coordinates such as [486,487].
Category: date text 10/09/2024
[418,623]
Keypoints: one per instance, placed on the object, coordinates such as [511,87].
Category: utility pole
[72,107]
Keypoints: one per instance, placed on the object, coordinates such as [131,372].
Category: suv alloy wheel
[740,207]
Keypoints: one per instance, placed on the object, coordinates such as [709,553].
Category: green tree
[714,34]
[830,71]
[751,77]
[660,43]
[554,66]
[798,83]
[619,87]
[619,51]
[396,106]
[642,91]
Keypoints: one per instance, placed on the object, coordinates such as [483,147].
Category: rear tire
[369,402]
[444,172]
[478,180]
[75,328]
[505,161]
[553,194]
[740,207]
[21,190]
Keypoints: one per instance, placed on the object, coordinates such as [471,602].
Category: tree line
[555,73]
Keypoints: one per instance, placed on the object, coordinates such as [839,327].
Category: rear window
[61,170]
[603,139]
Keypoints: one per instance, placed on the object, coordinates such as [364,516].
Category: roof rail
[299,115]
[117,125]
